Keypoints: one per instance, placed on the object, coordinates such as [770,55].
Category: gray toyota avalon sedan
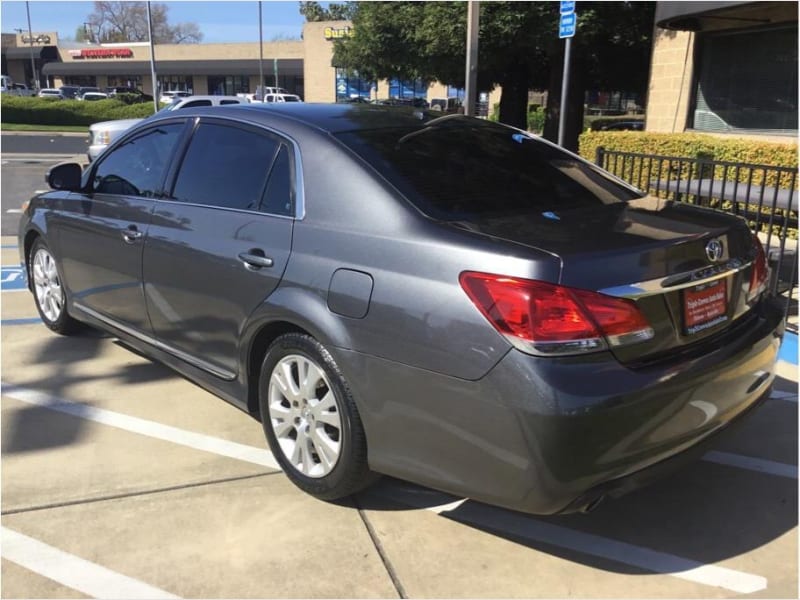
[441,299]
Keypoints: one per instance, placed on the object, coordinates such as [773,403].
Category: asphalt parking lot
[120,479]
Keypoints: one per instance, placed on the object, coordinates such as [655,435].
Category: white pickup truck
[7,86]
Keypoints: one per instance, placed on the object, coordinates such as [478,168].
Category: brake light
[543,318]
[759,273]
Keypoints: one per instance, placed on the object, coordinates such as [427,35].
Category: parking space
[122,479]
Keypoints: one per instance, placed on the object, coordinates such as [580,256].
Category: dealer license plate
[705,306]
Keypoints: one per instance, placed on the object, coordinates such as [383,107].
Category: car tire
[48,290]
[311,420]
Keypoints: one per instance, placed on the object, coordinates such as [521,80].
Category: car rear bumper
[552,435]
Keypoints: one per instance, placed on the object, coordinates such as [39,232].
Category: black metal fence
[764,195]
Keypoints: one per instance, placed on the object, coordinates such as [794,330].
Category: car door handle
[131,234]
[255,261]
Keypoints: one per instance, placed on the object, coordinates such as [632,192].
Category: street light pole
[260,55]
[562,116]
[152,57]
[30,40]
[473,23]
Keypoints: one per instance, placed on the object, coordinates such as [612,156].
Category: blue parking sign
[566,25]
[567,6]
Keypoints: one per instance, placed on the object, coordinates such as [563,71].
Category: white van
[6,84]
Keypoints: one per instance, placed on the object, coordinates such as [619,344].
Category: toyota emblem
[714,250]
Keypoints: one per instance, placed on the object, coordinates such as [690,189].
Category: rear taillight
[545,319]
[759,273]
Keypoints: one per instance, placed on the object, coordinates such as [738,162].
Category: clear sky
[219,20]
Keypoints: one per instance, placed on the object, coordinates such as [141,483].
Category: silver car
[103,133]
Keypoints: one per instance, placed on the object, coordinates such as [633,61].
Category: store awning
[286,66]
[22,52]
[712,16]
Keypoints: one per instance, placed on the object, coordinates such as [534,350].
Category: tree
[314,12]
[123,21]
[518,50]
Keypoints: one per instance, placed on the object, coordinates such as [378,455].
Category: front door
[218,246]
[102,232]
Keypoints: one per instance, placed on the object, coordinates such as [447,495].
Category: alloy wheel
[47,285]
[304,415]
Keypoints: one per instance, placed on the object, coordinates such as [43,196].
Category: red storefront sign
[103,53]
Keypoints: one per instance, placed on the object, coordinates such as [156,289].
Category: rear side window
[278,196]
[137,167]
[456,168]
[229,102]
[227,167]
[197,103]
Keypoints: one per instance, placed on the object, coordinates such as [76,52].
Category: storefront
[304,67]
[725,67]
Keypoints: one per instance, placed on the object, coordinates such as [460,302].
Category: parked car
[195,101]
[168,97]
[69,91]
[52,93]
[20,89]
[6,84]
[93,96]
[261,92]
[447,105]
[626,125]
[139,94]
[85,89]
[282,98]
[103,133]
[444,300]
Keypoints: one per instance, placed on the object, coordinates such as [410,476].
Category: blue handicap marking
[12,279]
[788,351]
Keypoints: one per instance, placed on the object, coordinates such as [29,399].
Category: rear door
[219,242]
[102,232]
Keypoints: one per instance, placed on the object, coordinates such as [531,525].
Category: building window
[175,83]
[81,80]
[407,89]
[349,85]
[131,81]
[228,85]
[747,81]
[454,92]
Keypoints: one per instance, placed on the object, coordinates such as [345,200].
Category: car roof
[332,118]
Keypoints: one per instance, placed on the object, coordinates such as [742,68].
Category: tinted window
[278,197]
[137,167]
[197,103]
[459,167]
[230,102]
[226,166]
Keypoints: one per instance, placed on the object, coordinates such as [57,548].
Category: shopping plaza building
[304,67]
[717,67]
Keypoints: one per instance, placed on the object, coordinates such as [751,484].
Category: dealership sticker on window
[705,306]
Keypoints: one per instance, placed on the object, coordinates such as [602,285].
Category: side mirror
[65,176]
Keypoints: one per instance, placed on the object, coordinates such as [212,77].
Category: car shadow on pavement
[31,428]
[705,512]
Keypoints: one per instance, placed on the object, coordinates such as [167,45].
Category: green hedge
[46,111]
[536,116]
[690,145]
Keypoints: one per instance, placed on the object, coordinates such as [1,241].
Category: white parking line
[788,396]
[73,571]
[198,441]
[478,514]
[770,467]
[594,545]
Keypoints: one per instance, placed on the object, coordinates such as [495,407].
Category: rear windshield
[456,167]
